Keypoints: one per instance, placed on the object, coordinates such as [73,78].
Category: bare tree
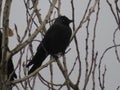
[94,70]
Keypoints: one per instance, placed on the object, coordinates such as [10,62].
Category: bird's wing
[57,38]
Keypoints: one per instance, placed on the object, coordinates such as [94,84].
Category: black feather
[56,40]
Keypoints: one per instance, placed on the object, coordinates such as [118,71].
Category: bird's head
[63,20]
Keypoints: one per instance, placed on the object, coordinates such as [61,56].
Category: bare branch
[19,47]
[116,50]
[32,74]
[76,44]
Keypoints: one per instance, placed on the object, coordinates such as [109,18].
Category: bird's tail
[37,60]
[11,70]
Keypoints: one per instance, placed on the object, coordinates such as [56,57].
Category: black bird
[10,67]
[56,40]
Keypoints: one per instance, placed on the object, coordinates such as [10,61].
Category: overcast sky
[104,36]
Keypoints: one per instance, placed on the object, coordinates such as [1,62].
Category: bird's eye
[63,20]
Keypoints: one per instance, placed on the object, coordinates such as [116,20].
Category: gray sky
[104,36]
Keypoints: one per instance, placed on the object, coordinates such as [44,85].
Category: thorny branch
[19,47]
[76,43]
[116,14]
[93,61]
[25,46]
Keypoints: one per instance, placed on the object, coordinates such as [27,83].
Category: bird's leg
[63,53]
[55,56]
